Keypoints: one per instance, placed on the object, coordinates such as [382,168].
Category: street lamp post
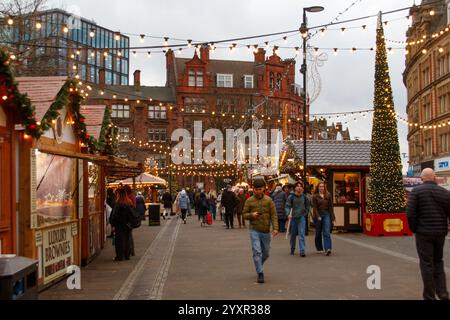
[303,70]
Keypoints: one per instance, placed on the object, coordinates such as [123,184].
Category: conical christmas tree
[386,194]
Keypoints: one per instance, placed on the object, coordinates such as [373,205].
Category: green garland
[15,99]
[69,95]
[107,142]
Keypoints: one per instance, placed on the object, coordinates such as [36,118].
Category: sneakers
[260,277]
[328,253]
[320,251]
[302,255]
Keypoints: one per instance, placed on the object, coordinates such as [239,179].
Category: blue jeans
[298,227]
[326,230]
[212,209]
[261,248]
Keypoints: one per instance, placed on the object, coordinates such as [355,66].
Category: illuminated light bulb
[297,51]
[105,54]
[74,67]
[134,54]
[335,51]
[92,33]
[102,93]
[316,51]
[38,25]
[285,39]
[432,12]
[406,51]
[248,47]
[424,51]
[424,36]
[10,21]
[13,57]
[66,29]
[322,32]
[126,99]
[353,50]
[342,31]
[441,32]
[117,36]
[119,53]
[179,51]
[142,39]
[92,54]
[189,43]
[441,50]
[4,98]
[149,55]
[166,41]
[114,97]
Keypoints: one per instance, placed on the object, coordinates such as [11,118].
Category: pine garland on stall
[386,194]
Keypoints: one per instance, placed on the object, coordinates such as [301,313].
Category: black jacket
[229,201]
[429,210]
[167,200]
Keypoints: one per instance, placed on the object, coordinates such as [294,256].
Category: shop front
[343,166]
[442,167]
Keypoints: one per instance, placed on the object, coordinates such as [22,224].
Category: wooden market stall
[343,165]
[146,183]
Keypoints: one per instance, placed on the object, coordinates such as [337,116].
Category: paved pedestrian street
[177,262]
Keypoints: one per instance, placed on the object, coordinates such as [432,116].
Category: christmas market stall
[342,165]
[146,183]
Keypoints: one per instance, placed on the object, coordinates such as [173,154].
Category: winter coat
[140,205]
[429,210]
[229,202]
[322,205]
[300,205]
[268,217]
[203,204]
[167,200]
[241,202]
[183,201]
[122,216]
[280,198]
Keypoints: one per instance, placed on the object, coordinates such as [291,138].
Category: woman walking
[121,219]
[323,217]
[183,204]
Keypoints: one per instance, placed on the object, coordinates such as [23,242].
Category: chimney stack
[260,56]
[204,53]
[137,80]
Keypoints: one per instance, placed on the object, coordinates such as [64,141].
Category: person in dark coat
[279,197]
[140,205]
[240,207]
[167,202]
[203,206]
[428,217]
[132,197]
[121,219]
[229,202]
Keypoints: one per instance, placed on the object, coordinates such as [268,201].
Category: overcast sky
[347,79]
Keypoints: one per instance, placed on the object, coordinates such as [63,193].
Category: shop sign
[442,164]
[57,253]
[38,237]
[393,225]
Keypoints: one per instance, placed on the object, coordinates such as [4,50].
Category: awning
[115,168]
[143,179]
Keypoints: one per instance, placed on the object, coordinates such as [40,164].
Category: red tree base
[386,224]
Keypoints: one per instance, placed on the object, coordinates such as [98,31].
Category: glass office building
[57,43]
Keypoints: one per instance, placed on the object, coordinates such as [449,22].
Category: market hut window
[347,188]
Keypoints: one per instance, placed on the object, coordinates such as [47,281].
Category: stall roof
[144,178]
[42,91]
[94,119]
[335,153]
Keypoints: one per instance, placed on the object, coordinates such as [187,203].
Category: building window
[157,112]
[124,134]
[248,82]
[157,135]
[427,109]
[445,139]
[195,78]
[272,80]
[224,80]
[443,104]
[428,147]
[120,111]
[279,81]
[157,160]
[426,77]
[195,105]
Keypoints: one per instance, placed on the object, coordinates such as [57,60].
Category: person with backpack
[183,204]
[203,207]
[297,209]
[229,202]
[121,219]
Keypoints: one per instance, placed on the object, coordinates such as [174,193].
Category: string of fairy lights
[231,44]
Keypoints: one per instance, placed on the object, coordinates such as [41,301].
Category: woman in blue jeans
[323,216]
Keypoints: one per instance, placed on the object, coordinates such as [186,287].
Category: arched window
[279,81]
[272,80]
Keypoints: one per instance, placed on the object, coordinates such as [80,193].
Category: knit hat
[259,183]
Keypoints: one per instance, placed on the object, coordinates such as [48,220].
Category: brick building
[320,130]
[225,94]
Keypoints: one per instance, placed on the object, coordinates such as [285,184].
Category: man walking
[297,208]
[168,202]
[260,211]
[229,202]
[279,197]
[428,217]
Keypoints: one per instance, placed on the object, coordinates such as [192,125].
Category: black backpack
[136,219]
